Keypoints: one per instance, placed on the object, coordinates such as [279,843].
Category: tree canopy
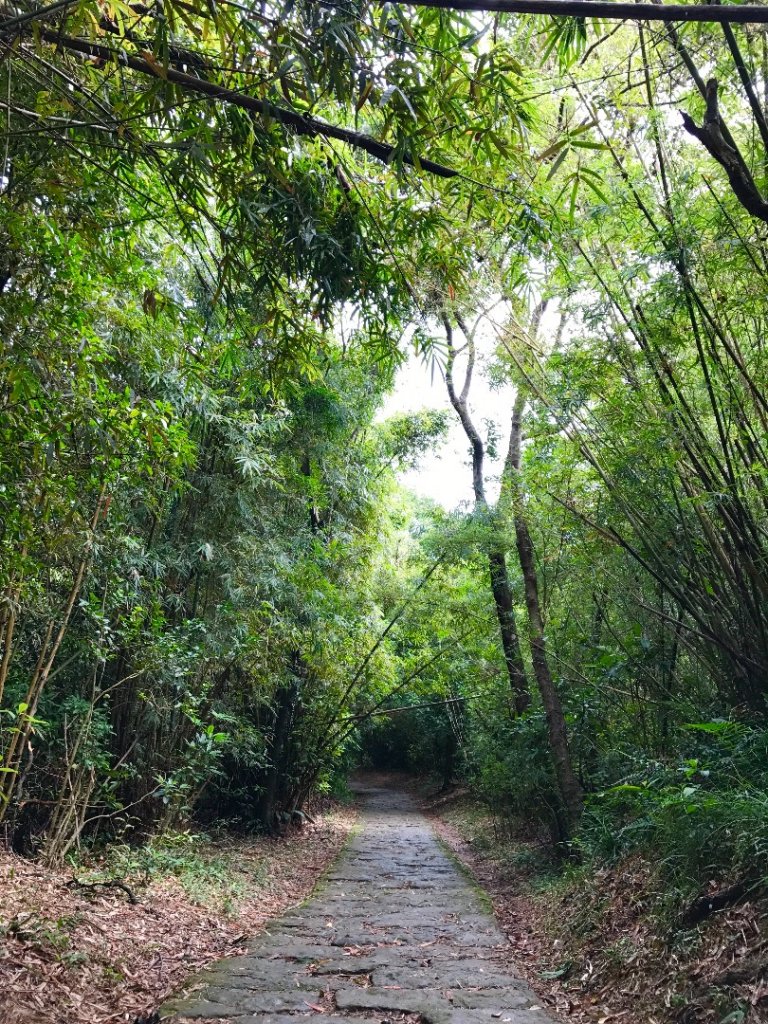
[225,228]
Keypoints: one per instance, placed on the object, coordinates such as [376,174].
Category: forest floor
[89,955]
[594,945]
[600,945]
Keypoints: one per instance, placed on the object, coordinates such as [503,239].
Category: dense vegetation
[223,227]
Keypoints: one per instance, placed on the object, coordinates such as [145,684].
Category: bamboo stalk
[43,669]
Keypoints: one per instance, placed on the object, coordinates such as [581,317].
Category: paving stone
[531,1015]
[443,975]
[250,972]
[424,940]
[258,983]
[354,964]
[198,1008]
[495,999]
[384,999]
[282,947]
[286,1001]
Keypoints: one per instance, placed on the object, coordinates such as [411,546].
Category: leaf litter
[594,952]
[69,953]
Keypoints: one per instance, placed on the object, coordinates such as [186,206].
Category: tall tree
[497,560]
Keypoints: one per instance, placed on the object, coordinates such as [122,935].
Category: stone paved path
[396,933]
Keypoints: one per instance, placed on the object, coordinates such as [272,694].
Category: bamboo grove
[224,231]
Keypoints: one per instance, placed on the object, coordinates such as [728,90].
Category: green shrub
[702,816]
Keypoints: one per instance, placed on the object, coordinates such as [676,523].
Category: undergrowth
[701,817]
[212,872]
[617,919]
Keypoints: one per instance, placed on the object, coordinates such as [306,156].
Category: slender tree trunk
[510,642]
[315,522]
[50,648]
[501,588]
[286,698]
[7,630]
[8,626]
[568,784]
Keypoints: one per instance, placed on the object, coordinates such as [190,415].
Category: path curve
[395,933]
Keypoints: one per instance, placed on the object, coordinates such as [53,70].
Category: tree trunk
[568,783]
[510,641]
[286,698]
[497,562]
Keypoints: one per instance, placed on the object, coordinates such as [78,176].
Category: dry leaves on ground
[594,952]
[91,956]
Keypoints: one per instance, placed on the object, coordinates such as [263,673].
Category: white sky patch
[445,475]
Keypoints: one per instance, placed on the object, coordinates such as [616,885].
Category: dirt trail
[396,932]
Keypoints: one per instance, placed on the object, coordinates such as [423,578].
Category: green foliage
[405,439]
[513,773]
[704,815]
[210,586]
[187,536]
[45,935]
[208,874]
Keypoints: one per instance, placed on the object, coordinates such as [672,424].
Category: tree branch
[300,123]
[470,346]
[746,81]
[459,403]
[743,13]
[711,135]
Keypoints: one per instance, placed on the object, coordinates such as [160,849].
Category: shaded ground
[70,954]
[397,932]
[597,944]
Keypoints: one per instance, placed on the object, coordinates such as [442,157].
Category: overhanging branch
[299,123]
[712,135]
[740,13]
